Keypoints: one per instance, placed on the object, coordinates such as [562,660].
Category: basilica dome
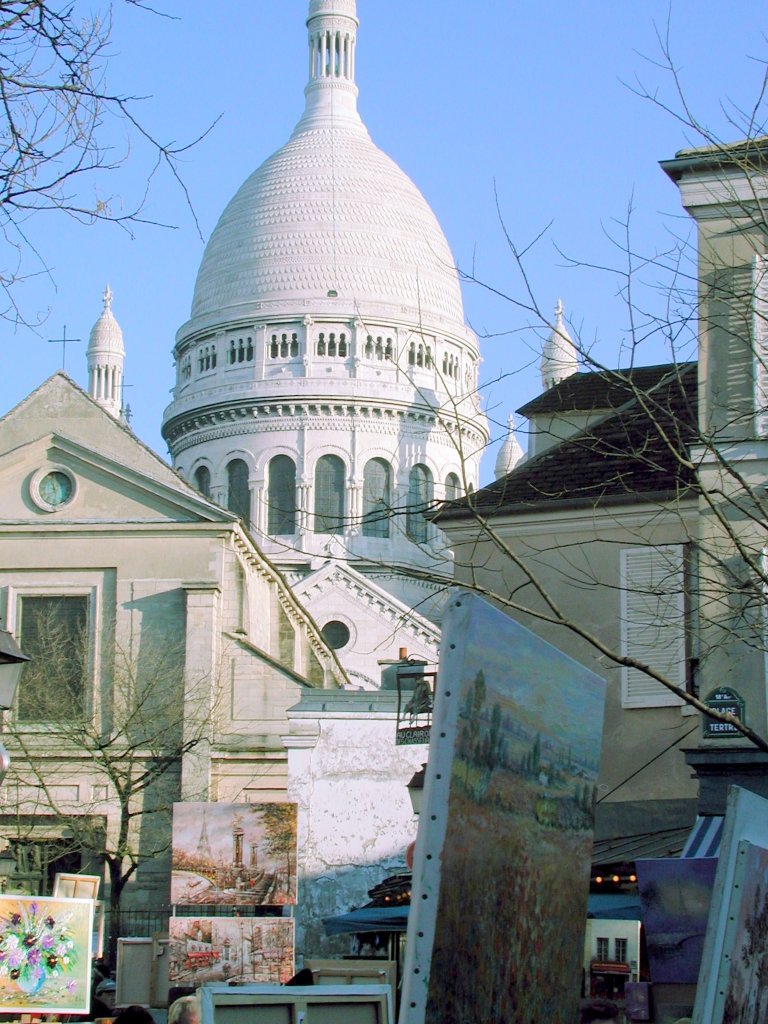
[329,218]
[328,213]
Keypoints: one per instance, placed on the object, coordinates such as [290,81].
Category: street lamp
[416,788]
[12,660]
[7,867]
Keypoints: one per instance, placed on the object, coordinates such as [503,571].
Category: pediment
[97,488]
[380,625]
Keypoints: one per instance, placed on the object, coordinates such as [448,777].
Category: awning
[704,840]
[368,919]
[611,906]
[609,967]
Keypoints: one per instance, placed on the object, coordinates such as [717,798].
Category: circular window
[52,489]
[335,634]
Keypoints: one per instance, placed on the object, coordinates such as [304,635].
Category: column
[201,681]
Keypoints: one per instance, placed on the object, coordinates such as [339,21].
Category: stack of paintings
[239,862]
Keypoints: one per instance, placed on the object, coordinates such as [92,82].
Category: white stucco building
[326,381]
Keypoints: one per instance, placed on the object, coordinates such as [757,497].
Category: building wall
[355,815]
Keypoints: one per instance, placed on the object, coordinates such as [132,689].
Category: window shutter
[760,342]
[653,623]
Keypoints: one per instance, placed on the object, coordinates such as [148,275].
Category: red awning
[609,967]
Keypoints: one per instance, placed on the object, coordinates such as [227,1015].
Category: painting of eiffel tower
[234,854]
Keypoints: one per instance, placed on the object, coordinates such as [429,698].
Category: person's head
[183,1011]
[134,1015]
[599,1011]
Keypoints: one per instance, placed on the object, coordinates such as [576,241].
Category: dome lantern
[106,356]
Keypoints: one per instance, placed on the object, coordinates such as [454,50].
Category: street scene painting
[746,999]
[524,723]
[252,950]
[236,854]
[45,954]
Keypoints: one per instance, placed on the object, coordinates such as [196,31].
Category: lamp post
[416,788]
[12,660]
[7,867]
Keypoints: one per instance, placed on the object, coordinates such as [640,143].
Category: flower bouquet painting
[45,954]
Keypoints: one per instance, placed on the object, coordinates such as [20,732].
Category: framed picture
[77,887]
[45,954]
[243,950]
[99,917]
[236,854]
[134,972]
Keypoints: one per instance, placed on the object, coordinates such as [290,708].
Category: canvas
[236,854]
[45,954]
[245,950]
[746,823]
[675,894]
[746,1000]
[501,874]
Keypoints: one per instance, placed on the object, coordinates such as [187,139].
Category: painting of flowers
[45,954]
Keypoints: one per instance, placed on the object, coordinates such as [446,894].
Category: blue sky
[527,104]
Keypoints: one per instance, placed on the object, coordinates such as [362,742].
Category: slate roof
[601,389]
[631,454]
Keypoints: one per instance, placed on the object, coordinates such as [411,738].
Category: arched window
[377,498]
[281,495]
[203,480]
[238,494]
[420,492]
[452,487]
[329,495]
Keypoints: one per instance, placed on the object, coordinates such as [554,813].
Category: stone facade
[186,632]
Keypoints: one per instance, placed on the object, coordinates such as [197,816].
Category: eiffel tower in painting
[203,843]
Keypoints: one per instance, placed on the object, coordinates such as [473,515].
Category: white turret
[558,358]
[106,356]
[511,453]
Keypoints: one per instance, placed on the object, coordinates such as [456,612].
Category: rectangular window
[603,949]
[620,947]
[653,629]
[53,632]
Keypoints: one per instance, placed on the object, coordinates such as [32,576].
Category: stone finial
[511,453]
[558,357]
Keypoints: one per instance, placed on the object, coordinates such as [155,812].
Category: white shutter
[653,623]
[760,342]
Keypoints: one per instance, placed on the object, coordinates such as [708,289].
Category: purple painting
[675,894]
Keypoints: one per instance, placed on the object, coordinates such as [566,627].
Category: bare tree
[102,779]
[56,110]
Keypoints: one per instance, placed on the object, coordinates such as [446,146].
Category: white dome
[329,212]
[106,335]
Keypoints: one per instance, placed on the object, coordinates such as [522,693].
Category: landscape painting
[45,954]
[524,723]
[675,894]
[252,950]
[746,999]
[237,854]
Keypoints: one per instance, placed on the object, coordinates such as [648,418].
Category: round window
[335,634]
[52,489]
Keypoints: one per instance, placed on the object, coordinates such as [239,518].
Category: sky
[517,121]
